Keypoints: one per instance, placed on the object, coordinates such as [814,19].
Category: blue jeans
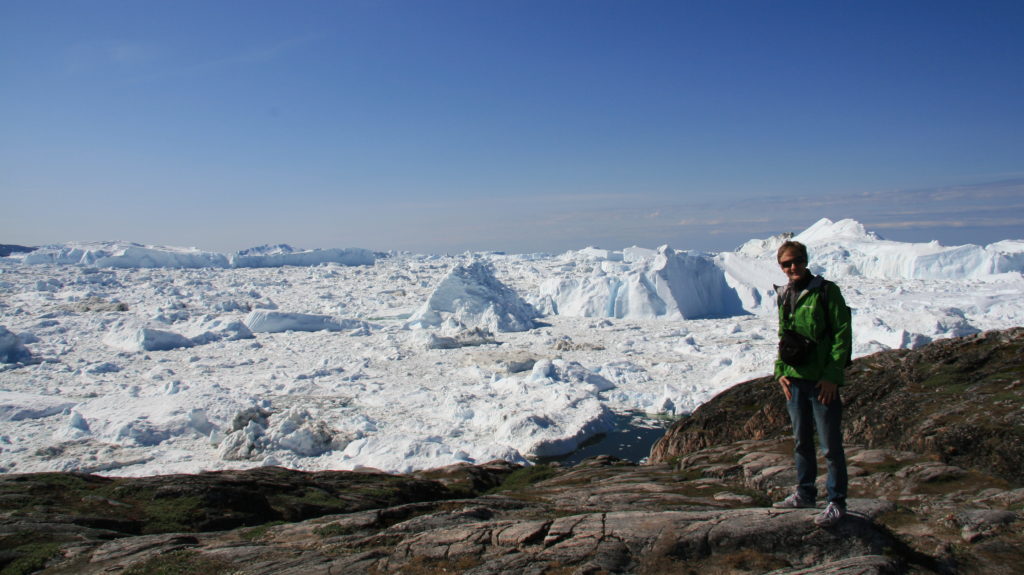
[808,414]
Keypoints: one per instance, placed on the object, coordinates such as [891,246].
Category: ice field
[125,359]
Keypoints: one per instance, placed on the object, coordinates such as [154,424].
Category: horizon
[451,253]
[520,127]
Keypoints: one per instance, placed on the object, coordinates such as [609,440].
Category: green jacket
[833,345]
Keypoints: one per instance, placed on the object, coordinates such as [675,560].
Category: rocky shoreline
[935,444]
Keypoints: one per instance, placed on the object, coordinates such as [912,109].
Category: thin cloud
[722,222]
[975,223]
[920,224]
[99,56]
[253,56]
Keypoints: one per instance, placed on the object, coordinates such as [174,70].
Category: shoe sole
[829,523]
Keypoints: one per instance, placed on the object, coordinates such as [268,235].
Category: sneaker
[830,516]
[794,501]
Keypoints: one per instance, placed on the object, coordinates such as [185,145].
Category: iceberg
[132,255]
[663,284]
[263,321]
[473,297]
[132,336]
[125,255]
[280,258]
[845,249]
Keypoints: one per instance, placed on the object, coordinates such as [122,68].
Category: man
[815,343]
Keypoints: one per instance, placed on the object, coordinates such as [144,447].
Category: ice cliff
[844,249]
[664,284]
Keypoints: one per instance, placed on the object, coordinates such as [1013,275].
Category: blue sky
[527,125]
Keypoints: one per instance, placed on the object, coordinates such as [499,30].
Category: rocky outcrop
[959,400]
[917,506]
[708,513]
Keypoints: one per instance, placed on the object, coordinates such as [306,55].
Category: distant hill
[6,250]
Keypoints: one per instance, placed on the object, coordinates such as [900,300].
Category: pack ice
[127,359]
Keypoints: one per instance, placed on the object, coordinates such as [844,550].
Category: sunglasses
[790,263]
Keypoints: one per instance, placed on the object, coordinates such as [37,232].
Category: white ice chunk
[212,328]
[16,406]
[263,321]
[294,430]
[133,337]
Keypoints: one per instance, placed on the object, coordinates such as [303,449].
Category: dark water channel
[632,439]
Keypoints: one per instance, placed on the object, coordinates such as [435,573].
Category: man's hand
[827,391]
[784,382]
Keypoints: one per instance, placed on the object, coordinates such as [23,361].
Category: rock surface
[921,501]
[958,400]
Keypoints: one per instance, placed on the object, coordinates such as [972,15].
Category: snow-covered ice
[471,296]
[647,284]
[132,255]
[126,359]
